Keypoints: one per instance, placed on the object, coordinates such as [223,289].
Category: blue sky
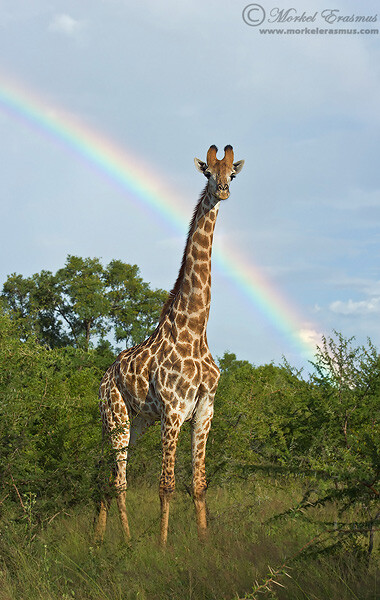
[167,79]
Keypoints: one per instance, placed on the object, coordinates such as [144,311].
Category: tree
[83,300]
[50,437]
[134,307]
[323,430]
[347,385]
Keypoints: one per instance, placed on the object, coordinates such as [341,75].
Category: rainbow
[147,189]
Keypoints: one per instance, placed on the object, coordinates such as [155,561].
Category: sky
[152,85]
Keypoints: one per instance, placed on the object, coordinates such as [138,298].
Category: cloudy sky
[164,81]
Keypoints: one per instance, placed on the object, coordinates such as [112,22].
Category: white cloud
[310,336]
[66,25]
[359,308]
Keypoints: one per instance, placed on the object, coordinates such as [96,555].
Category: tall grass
[60,561]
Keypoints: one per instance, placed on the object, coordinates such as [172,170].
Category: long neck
[188,305]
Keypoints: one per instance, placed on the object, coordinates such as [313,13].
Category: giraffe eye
[207,174]
[232,176]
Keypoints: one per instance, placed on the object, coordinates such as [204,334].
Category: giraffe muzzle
[222,191]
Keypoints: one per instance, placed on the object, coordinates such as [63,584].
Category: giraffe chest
[152,378]
[180,383]
[178,377]
[167,382]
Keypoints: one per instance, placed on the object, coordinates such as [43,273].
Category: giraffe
[171,376]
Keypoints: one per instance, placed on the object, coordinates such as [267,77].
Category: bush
[323,429]
[49,423]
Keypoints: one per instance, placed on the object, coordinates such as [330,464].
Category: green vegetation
[83,300]
[244,545]
[293,462]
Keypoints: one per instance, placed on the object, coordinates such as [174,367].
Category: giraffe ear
[200,165]
[238,166]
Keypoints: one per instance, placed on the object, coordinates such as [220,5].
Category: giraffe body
[171,376]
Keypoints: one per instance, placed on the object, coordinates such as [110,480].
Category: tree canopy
[84,301]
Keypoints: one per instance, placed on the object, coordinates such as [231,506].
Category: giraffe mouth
[222,191]
[223,194]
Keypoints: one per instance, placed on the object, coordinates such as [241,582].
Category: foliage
[325,428]
[83,300]
[320,432]
[49,424]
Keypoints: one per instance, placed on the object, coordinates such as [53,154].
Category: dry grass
[61,563]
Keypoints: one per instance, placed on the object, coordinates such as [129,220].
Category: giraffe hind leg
[101,520]
[116,426]
[120,440]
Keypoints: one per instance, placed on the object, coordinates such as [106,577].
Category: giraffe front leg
[170,428]
[201,424]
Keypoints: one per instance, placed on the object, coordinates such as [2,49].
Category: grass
[60,561]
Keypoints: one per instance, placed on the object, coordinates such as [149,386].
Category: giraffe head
[219,172]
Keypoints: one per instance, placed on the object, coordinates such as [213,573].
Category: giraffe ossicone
[171,377]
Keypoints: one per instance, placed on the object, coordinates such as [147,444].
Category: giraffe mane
[177,286]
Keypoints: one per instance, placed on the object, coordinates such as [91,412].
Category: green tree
[346,386]
[134,307]
[50,435]
[256,416]
[341,441]
[84,300]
